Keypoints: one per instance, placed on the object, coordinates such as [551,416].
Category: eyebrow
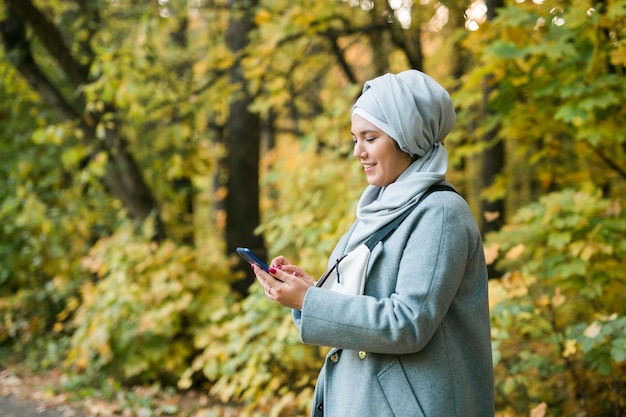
[366,131]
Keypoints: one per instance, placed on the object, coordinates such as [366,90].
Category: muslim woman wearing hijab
[417,342]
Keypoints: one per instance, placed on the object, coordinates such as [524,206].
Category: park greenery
[141,141]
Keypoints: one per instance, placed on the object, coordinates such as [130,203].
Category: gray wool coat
[417,343]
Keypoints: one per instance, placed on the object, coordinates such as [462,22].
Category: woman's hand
[286,283]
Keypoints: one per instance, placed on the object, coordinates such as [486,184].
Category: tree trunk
[493,157]
[242,139]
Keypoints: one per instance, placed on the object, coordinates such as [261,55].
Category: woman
[417,342]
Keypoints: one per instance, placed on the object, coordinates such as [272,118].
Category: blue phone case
[249,256]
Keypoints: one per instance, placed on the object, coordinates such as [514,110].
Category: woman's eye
[355,141]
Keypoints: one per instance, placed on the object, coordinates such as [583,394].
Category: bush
[558,315]
[43,233]
[139,319]
[253,355]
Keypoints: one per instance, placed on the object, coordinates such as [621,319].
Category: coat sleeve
[437,245]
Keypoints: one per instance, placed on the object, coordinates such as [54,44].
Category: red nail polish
[252,266]
[272,270]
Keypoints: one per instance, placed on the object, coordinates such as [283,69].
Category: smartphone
[249,256]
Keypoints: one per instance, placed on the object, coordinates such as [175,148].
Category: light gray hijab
[417,113]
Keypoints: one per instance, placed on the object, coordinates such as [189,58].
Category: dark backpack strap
[393,225]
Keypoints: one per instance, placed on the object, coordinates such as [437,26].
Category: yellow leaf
[515,251]
[570,348]
[608,318]
[593,330]
[491,253]
[221,193]
[491,216]
[539,411]
[558,298]
[587,253]
[543,300]
[514,284]
[262,16]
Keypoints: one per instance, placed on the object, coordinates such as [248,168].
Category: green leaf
[506,50]
[618,350]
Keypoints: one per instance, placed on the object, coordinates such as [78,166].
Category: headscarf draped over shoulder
[410,107]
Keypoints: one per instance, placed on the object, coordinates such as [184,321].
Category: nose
[359,150]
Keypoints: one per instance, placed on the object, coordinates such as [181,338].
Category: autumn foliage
[116,122]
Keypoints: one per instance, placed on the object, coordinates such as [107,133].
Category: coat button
[334,357]
[320,407]
[362,355]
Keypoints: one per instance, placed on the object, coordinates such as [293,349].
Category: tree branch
[609,162]
[342,61]
[13,32]
[413,49]
[52,40]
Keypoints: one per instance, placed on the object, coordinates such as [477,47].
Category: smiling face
[379,154]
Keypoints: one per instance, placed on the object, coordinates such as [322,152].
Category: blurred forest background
[142,141]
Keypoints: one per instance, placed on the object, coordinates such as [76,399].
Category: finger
[261,281]
[279,276]
[293,269]
[279,261]
[263,277]
[296,271]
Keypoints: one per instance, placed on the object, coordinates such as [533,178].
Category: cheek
[395,165]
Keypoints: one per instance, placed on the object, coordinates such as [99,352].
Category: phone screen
[249,256]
